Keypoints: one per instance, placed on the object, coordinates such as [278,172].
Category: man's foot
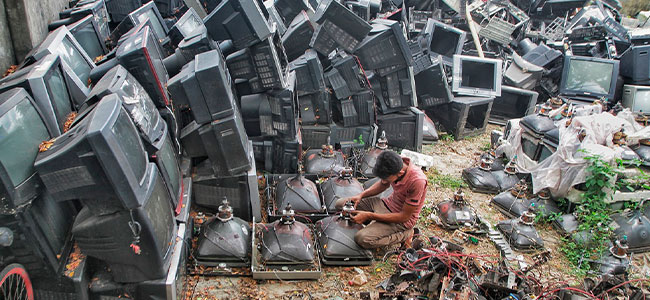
[382,251]
[408,243]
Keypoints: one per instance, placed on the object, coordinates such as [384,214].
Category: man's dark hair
[388,163]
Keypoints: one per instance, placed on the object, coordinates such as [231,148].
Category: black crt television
[187,49]
[150,11]
[637,98]
[403,129]
[341,24]
[444,40]
[150,226]
[284,109]
[177,93]
[167,8]
[269,64]
[186,27]
[513,103]
[120,9]
[394,91]
[22,129]
[136,102]
[142,55]
[475,76]
[101,161]
[209,88]
[241,21]
[75,61]
[385,46]
[635,64]
[289,9]
[45,82]
[256,115]
[432,86]
[167,160]
[297,36]
[87,33]
[226,144]
[309,73]
[315,108]
[589,77]
[96,8]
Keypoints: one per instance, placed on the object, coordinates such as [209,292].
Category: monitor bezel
[32,79]
[99,11]
[73,28]
[470,91]
[177,200]
[77,88]
[30,187]
[133,16]
[430,30]
[612,85]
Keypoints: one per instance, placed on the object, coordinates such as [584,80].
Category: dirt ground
[451,158]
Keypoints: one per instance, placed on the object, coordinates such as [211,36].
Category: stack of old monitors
[241,21]
[38,228]
[138,16]
[388,61]
[88,34]
[102,162]
[217,133]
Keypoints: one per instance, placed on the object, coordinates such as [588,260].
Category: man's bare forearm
[375,189]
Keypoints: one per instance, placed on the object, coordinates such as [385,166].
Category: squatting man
[389,221]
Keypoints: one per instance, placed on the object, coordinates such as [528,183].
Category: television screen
[107,237]
[444,40]
[75,61]
[167,162]
[150,11]
[99,12]
[637,98]
[22,129]
[101,161]
[476,76]
[142,55]
[512,104]
[589,76]
[45,82]
[86,32]
[186,26]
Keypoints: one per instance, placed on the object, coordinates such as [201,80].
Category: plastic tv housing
[103,159]
[242,21]
[444,40]
[45,82]
[75,61]
[475,76]
[88,35]
[589,77]
[22,130]
[637,98]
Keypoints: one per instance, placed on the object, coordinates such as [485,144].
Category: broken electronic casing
[403,129]
[480,178]
[635,225]
[224,241]
[464,116]
[521,234]
[512,104]
[454,214]
[444,40]
[262,271]
[534,126]
[636,98]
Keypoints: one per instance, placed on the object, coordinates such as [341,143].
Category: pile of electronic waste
[129,115]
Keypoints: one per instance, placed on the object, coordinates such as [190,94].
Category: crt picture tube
[59,96]
[129,143]
[444,42]
[589,76]
[477,74]
[21,131]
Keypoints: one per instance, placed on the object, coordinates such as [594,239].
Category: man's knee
[366,239]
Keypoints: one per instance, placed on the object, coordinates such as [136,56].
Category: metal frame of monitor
[495,91]
[79,87]
[83,23]
[28,189]
[612,85]
[430,29]
[630,99]
[33,79]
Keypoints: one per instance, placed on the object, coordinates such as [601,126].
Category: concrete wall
[6,48]
[27,22]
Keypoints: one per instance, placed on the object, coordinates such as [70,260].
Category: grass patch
[446,137]
[446,181]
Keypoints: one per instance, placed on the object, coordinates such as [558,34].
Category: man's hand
[354,199]
[361,217]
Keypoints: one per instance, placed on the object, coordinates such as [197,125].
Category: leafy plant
[445,137]
[486,146]
[359,140]
[593,213]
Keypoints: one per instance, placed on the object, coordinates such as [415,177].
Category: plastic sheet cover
[567,166]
